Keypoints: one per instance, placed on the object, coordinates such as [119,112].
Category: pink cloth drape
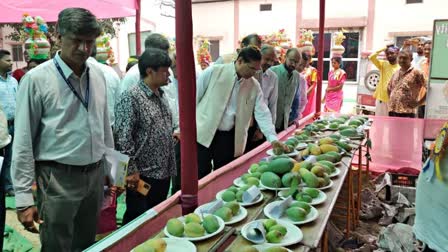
[12,10]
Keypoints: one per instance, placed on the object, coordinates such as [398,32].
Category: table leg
[349,203]
[359,187]
[324,241]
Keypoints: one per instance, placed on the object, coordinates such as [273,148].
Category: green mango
[228,196]
[305,206]
[192,217]
[274,236]
[224,213]
[301,196]
[234,206]
[175,227]
[296,213]
[254,167]
[268,223]
[194,229]
[281,165]
[253,181]
[271,179]
[276,249]
[308,177]
[234,189]
[314,193]
[210,223]
[279,228]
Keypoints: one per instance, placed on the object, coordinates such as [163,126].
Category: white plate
[293,234]
[312,215]
[272,188]
[206,236]
[327,186]
[263,247]
[237,218]
[238,182]
[292,154]
[301,146]
[258,200]
[335,173]
[176,245]
[316,201]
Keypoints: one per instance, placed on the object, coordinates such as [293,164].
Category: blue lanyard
[85,102]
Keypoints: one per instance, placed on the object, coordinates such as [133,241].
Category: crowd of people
[401,91]
[63,113]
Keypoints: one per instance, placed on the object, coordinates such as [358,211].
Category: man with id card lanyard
[63,131]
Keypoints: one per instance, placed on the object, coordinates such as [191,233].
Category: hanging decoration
[36,42]
[203,54]
[305,43]
[337,49]
[280,41]
[103,50]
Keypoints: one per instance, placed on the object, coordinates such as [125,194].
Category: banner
[437,96]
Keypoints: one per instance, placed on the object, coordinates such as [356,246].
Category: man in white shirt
[269,86]
[112,84]
[5,139]
[132,77]
[62,132]
[227,98]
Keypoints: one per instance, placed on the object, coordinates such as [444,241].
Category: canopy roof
[12,10]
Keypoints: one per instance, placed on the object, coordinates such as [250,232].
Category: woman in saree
[310,74]
[334,94]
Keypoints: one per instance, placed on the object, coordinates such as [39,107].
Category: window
[17,53]
[214,49]
[350,58]
[265,7]
[131,40]
[413,1]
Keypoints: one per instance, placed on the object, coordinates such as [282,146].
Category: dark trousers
[2,210]
[250,145]
[5,176]
[137,204]
[69,201]
[221,152]
[409,115]
[175,180]
[421,111]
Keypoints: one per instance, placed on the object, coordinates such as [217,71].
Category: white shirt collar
[65,68]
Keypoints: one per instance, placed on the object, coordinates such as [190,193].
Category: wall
[335,9]
[6,44]
[282,16]
[215,20]
[396,17]
[151,20]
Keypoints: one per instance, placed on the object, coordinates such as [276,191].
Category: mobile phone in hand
[143,187]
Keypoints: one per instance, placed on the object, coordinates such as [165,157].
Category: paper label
[256,232]
[117,165]
[311,158]
[251,194]
[212,207]
[278,210]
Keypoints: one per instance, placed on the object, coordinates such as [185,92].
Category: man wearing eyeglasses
[288,82]
[227,97]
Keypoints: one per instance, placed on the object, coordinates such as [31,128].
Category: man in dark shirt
[143,130]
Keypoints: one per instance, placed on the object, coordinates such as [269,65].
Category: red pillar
[187,105]
[138,44]
[320,56]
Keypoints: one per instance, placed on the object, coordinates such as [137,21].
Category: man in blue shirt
[8,89]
